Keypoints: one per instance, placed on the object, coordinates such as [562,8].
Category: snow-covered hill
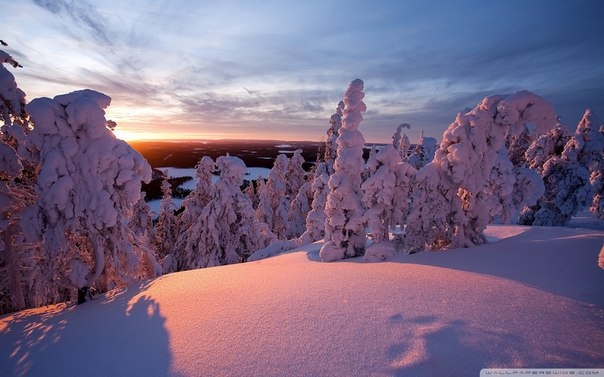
[531,297]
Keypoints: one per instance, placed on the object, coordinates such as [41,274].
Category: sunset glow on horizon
[276,70]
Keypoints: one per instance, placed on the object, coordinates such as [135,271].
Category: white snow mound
[530,298]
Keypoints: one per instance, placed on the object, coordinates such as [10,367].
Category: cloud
[79,12]
[278,63]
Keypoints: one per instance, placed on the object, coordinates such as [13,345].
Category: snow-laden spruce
[565,161]
[12,99]
[378,191]
[451,203]
[401,142]
[378,198]
[227,230]
[331,147]
[345,224]
[315,220]
[298,211]
[21,284]
[88,183]
[298,194]
[167,229]
[423,153]
[587,147]
[273,206]
[201,195]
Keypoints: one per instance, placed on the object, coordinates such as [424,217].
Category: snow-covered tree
[517,146]
[378,192]
[15,121]
[201,194]
[315,220]
[431,222]
[331,148]
[423,153]
[87,185]
[227,230]
[403,149]
[345,223]
[597,186]
[586,146]
[567,189]
[142,219]
[273,206]
[548,145]
[251,192]
[21,283]
[462,169]
[299,195]
[403,189]
[298,211]
[167,229]
[562,160]
[12,99]
[401,142]
[296,175]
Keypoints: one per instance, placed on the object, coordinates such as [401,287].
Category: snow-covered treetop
[587,144]
[204,168]
[521,108]
[353,99]
[12,99]
[232,169]
[84,109]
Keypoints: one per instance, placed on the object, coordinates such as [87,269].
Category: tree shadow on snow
[120,334]
[429,346]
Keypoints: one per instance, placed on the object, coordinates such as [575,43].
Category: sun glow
[133,135]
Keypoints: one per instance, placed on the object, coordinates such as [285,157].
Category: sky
[276,69]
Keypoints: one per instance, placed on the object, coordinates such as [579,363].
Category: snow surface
[531,297]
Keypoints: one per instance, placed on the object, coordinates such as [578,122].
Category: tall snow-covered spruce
[274,201]
[345,223]
[87,186]
[165,232]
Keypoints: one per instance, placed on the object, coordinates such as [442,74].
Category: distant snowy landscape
[530,297]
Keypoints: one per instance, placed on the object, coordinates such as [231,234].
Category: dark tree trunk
[82,294]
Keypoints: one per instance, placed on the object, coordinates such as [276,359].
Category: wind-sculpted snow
[531,297]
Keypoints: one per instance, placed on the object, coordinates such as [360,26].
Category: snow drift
[530,297]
